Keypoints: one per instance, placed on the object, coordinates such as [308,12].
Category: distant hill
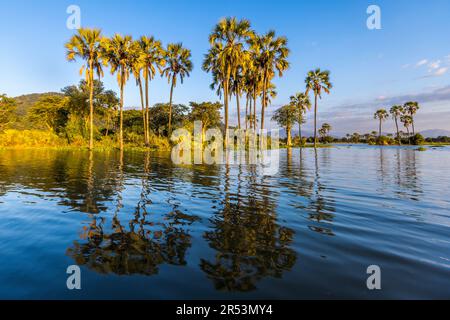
[24,103]
[434,133]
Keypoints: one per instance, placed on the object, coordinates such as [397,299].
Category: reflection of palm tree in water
[249,244]
[319,206]
[138,249]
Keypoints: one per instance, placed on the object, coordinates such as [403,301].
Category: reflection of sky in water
[138,222]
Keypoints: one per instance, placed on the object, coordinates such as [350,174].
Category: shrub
[417,139]
[30,138]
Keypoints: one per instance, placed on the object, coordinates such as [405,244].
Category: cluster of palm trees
[243,62]
[403,113]
[142,58]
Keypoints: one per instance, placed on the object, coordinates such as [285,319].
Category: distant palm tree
[407,122]
[152,59]
[227,54]
[396,112]
[271,55]
[411,109]
[86,44]
[302,103]
[317,81]
[381,115]
[120,52]
[178,64]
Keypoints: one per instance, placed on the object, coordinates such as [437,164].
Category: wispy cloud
[421,63]
[435,68]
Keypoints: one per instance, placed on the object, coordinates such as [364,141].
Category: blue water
[141,227]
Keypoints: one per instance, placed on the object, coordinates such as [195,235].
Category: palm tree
[301,103]
[120,52]
[317,81]
[411,109]
[86,44]
[179,64]
[271,55]
[227,54]
[381,115]
[396,112]
[152,59]
[407,121]
[136,66]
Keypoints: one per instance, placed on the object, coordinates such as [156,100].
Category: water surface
[141,227]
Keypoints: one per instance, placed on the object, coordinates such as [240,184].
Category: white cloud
[421,63]
[434,65]
[440,72]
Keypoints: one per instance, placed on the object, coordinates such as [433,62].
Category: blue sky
[408,58]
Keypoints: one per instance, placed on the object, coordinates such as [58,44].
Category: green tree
[7,109]
[159,122]
[51,111]
[381,115]
[86,44]
[317,81]
[396,112]
[206,112]
[119,52]
[301,103]
[286,116]
[178,64]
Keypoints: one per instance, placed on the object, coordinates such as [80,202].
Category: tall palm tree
[302,103]
[271,55]
[178,64]
[152,59]
[407,121]
[317,81]
[86,44]
[396,112]
[226,54]
[120,52]
[381,115]
[411,109]
[136,66]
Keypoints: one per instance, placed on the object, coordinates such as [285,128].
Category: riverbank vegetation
[243,64]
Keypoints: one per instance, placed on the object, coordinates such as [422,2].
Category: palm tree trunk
[91,106]
[246,113]
[412,123]
[225,96]
[263,105]
[254,110]
[300,131]
[170,109]
[238,109]
[121,113]
[147,112]
[398,133]
[289,138]
[379,135]
[141,93]
[315,120]
[409,136]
